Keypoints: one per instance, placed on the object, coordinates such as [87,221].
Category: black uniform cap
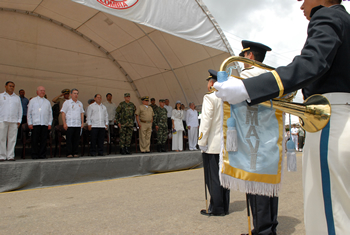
[255,46]
[213,74]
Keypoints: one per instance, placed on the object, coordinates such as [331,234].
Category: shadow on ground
[237,206]
[287,224]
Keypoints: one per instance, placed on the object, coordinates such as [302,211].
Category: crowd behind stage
[70,123]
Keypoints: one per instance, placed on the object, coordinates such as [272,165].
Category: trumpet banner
[256,165]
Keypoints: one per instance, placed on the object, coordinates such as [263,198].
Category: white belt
[338,97]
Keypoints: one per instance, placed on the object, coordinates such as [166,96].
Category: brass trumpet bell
[314,113]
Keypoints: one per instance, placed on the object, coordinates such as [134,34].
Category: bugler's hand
[232,91]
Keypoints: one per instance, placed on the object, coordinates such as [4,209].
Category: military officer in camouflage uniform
[161,123]
[144,118]
[125,116]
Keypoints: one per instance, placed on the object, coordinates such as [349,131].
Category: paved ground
[156,204]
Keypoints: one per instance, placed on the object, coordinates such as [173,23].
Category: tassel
[291,161]
[231,141]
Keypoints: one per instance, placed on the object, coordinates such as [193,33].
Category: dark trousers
[170,124]
[264,212]
[24,120]
[219,196]
[97,136]
[73,137]
[39,138]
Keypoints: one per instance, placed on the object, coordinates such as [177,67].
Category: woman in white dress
[178,128]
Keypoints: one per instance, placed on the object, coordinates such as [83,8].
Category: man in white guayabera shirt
[192,126]
[73,120]
[97,119]
[10,119]
[39,119]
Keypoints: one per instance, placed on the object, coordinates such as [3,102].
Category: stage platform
[28,173]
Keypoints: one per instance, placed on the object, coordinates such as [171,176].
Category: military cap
[145,98]
[127,95]
[255,46]
[90,101]
[162,100]
[65,91]
[212,75]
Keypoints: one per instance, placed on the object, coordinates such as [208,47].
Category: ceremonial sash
[256,165]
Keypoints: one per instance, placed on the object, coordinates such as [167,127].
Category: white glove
[203,148]
[232,91]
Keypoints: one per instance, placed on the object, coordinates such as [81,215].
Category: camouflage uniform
[125,115]
[154,107]
[161,120]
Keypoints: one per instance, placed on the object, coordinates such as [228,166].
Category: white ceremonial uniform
[294,131]
[177,140]
[209,129]
[10,115]
[326,152]
[97,116]
[192,121]
[39,112]
[73,111]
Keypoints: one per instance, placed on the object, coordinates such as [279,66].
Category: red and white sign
[120,5]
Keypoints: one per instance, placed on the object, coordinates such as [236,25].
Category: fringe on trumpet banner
[250,186]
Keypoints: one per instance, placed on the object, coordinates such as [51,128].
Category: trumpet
[314,113]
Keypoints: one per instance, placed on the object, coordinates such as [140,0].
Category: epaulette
[212,89]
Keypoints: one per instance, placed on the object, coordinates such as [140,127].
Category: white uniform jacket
[210,126]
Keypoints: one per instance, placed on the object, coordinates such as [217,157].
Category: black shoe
[12,159]
[209,213]
[159,148]
[100,154]
[127,150]
[122,151]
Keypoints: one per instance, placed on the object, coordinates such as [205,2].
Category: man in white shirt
[39,119]
[111,110]
[10,119]
[73,120]
[295,131]
[192,126]
[170,110]
[97,120]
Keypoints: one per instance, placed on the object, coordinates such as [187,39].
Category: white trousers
[177,141]
[326,176]
[8,136]
[295,140]
[192,138]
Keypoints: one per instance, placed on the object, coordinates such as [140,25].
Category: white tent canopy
[63,44]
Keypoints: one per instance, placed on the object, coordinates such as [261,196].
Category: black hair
[9,82]
[97,95]
[258,55]
[109,94]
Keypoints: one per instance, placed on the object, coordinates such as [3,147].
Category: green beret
[127,95]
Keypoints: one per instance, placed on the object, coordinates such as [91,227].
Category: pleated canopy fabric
[63,44]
